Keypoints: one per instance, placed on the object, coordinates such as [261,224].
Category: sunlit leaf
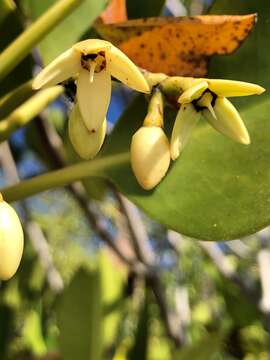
[32,333]
[178,46]
[112,280]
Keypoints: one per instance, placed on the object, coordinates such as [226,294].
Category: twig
[138,234]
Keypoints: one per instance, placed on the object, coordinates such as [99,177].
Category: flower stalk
[155,111]
[23,44]
[28,110]
[63,177]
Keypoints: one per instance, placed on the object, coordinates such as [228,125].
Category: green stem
[28,110]
[20,47]
[15,98]
[154,115]
[172,86]
[63,177]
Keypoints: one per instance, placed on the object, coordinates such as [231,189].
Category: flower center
[206,101]
[94,63]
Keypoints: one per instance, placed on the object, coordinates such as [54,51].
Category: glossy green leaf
[252,61]
[144,8]
[79,316]
[206,349]
[216,190]
[70,30]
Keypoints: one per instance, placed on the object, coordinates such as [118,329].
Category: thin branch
[263,259]
[138,234]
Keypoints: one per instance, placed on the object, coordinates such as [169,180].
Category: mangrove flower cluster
[11,241]
[91,63]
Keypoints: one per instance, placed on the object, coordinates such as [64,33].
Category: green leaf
[112,279]
[144,8]
[252,61]
[70,30]
[32,333]
[207,348]
[79,315]
[216,190]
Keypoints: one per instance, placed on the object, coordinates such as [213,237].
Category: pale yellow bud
[11,241]
[86,143]
[150,156]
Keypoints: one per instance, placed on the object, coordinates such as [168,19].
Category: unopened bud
[86,143]
[11,241]
[150,156]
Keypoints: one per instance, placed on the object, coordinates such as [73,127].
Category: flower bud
[11,241]
[86,143]
[150,156]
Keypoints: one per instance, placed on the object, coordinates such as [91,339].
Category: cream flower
[11,241]
[92,63]
[207,98]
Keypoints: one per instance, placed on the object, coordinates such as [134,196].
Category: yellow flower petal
[93,97]
[193,92]
[230,88]
[92,46]
[65,66]
[120,66]
[85,143]
[11,241]
[150,156]
[123,69]
[228,121]
[185,122]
